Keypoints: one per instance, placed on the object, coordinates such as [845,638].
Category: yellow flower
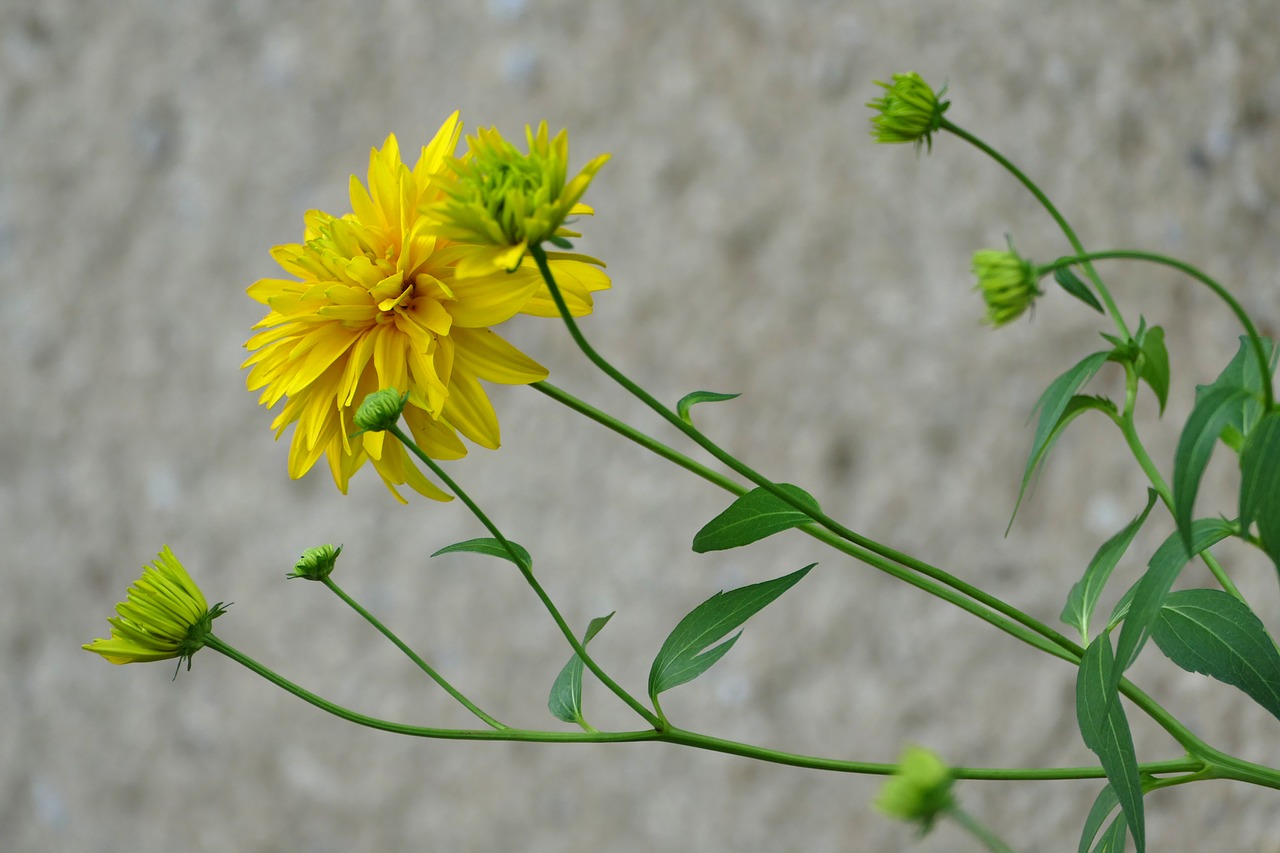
[164,616]
[507,201]
[908,112]
[379,304]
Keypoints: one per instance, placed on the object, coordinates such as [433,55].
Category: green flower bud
[908,112]
[1008,283]
[380,410]
[919,790]
[315,564]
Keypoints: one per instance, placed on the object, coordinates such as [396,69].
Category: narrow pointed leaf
[1105,730]
[565,701]
[688,401]
[1260,483]
[689,651]
[752,517]
[1105,803]
[1212,412]
[1213,633]
[1152,588]
[1058,406]
[1083,597]
[1242,372]
[1154,369]
[490,547]
[1071,283]
[1112,841]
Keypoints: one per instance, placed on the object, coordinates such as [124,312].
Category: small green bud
[908,112]
[1009,284]
[316,564]
[380,410]
[919,790]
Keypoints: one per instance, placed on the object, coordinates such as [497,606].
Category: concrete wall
[152,152]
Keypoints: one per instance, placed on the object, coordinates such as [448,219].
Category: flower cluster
[164,616]
[391,296]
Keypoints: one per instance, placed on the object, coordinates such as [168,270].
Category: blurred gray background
[152,152]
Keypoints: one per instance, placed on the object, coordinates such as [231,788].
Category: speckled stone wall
[152,152]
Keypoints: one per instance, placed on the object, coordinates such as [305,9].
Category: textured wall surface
[151,153]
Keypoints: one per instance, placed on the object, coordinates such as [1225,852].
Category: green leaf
[688,401]
[1105,730]
[1083,597]
[1213,633]
[1102,807]
[1212,412]
[491,547]
[565,701]
[1058,406]
[1260,483]
[752,517]
[1112,841]
[1242,372]
[1072,284]
[1154,366]
[1151,589]
[687,652]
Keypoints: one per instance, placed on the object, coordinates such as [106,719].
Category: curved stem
[1065,227]
[527,571]
[1129,430]
[978,830]
[1215,764]
[1255,340]
[863,542]
[1069,652]
[411,654]
[503,734]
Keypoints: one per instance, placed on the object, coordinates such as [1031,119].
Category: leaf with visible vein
[752,517]
[1083,597]
[565,701]
[688,650]
[1105,730]
[1215,634]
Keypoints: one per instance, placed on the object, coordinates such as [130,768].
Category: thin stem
[1070,652]
[1130,432]
[978,830]
[870,545]
[1220,766]
[503,734]
[1255,340]
[527,571]
[1066,228]
[412,655]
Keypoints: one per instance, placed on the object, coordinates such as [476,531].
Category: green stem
[863,542]
[527,571]
[412,655]
[978,830]
[1221,766]
[1066,228]
[1255,340]
[503,734]
[1069,652]
[1130,432]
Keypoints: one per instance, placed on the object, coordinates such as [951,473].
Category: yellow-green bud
[380,410]
[909,111]
[1009,284]
[316,564]
[919,790]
